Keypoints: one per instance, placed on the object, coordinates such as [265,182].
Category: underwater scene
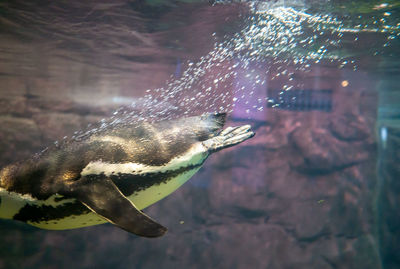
[200,134]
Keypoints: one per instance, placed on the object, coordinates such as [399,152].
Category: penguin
[111,175]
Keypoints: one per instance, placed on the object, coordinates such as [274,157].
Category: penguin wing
[100,195]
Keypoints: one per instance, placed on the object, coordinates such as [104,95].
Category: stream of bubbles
[276,35]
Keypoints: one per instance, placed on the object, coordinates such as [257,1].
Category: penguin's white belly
[149,196]
[11,204]
[70,222]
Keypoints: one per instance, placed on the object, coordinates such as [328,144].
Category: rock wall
[298,195]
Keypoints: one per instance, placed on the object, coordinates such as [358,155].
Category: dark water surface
[317,187]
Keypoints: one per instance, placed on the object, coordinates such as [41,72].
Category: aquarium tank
[317,187]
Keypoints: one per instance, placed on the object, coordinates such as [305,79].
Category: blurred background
[317,187]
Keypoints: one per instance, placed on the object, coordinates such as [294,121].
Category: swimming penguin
[110,176]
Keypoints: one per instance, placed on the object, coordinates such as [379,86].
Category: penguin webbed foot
[229,137]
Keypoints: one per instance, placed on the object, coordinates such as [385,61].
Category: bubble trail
[236,71]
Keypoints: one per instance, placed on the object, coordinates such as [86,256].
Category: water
[317,80]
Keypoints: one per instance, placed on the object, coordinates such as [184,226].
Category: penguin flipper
[101,196]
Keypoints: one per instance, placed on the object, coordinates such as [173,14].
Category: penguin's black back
[153,144]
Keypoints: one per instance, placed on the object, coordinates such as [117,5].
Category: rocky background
[301,194]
